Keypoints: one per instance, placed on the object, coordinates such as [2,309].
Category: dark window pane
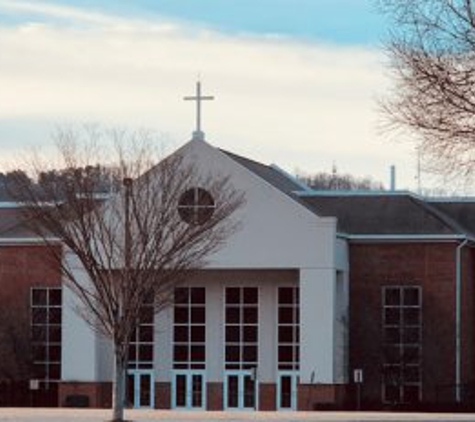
[392,393]
[55,334]
[54,315]
[250,334]
[197,353]
[54,371]
[198,334]
[411,335]
[181,333]
[392,375]
[411,296]
[285,392]
[232,353]
[38,315]
[412,374]
[286,315]
[198,315]
[233,334]
[38,333]
[55,353]
[392,316]
[145,352]
[38,297]
[411,393]
[392,354]
[39,353]
[286,295]
[233,315]
[132,353]
[40,370]
[286,334]
[198,295]
[233,295]
[250,354]
[411,316]
[181,295]
[250,315]
[55,297]
[285,354]
[203,214]
[146,315]
[204,198]
[392,296]
[180,390]
[411,354]
[250,295]
[181,315]
[392,335]
[146,333]
[180,353]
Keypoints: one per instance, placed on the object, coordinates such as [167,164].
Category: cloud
[301,104]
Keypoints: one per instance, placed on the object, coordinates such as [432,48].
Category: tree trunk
[118,397]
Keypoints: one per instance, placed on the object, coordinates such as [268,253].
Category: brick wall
[430,265]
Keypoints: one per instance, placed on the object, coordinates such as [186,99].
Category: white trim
[359,193]
[27,240]
[451,199]
[406,237]
[458,318]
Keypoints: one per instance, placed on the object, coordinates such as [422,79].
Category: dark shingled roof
[458,209]
[268,173]
[12,224]
[383,214]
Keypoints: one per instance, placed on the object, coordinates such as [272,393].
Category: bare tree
[432,51]
[142,241]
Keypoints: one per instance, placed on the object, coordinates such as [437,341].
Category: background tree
[339,181]
[432,52]
[139,243]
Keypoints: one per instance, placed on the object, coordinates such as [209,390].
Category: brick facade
[431,266]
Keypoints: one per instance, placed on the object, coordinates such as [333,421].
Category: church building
[318,296]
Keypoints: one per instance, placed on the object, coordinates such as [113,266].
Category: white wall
[78,359]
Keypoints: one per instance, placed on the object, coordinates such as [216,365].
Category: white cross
[198,134]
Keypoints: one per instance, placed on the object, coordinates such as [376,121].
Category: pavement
[92,415]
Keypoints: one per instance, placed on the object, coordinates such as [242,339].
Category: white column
[78,359]
[214,332]
[317,314]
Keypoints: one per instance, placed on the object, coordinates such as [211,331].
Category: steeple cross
[198,134]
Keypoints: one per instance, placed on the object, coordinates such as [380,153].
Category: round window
[196,206]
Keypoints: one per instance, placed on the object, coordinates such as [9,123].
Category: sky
[296,82]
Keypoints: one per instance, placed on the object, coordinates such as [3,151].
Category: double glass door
[140,389]
[189,391]
[240,390]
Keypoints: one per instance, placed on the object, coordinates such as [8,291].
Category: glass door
[287,391]
[140,389]
[189,390]
[240,390]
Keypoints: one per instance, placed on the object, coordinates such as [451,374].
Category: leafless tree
[139,242]
[432,52]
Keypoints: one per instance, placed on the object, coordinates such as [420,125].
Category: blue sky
[295,81]
[339,21]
